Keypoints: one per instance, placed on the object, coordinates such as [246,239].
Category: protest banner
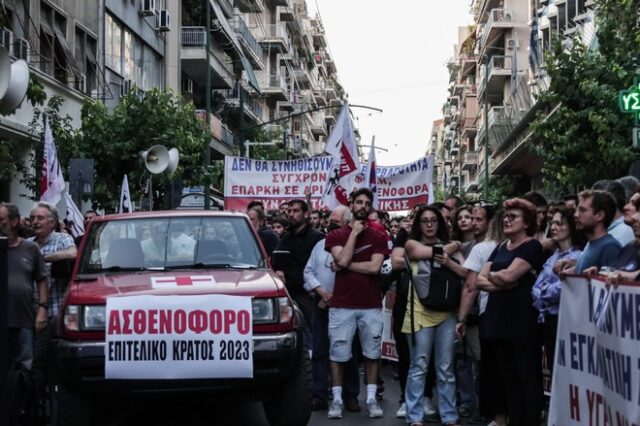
[388,339]
[596,375]
[178,337]
[276,181]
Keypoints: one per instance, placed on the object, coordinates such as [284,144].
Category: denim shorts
[342,327]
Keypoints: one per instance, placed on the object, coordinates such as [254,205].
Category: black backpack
[438,288]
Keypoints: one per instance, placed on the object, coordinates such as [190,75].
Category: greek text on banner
[596,375]
[178,337]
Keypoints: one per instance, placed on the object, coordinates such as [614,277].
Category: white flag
[125,197]
[74,216]
[341,144]
[52,183]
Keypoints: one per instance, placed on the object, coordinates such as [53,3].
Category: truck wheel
[292,405]
[71,408]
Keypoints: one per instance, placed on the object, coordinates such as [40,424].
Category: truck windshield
[138,244]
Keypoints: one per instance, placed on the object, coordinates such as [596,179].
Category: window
[85,53]
[113,45]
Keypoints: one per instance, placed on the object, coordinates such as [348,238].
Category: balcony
[329,118]
[470,161]
[318,126]
[285,13]
[276,37]
[275,86]
[280,2]
[250,106]
[217,128]
[498,127]
[249,42]
[194,56]
[250,6]
[499,21]
[320,97]
[500,69]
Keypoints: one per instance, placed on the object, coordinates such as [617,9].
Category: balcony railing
[245,33]
[275,81]
[227,135]
[277,32]
[248,101]
[194,36]
[496,16]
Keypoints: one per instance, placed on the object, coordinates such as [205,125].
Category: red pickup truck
[178,301]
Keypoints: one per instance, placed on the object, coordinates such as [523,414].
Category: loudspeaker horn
[13,84]
[156,159]
[174,157]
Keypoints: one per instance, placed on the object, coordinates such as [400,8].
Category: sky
[393,56]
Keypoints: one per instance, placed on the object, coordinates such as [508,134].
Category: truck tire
[292,405]
[70,407]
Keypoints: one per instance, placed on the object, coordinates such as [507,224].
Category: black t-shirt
[300,246]
[26,266]
[510,314]
[629,258]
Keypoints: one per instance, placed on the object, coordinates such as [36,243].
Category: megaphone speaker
[156,159]
[13,85]
[174,157]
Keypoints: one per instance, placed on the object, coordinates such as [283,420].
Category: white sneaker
[402,411]
[335,410]
[429,409]
[374,410]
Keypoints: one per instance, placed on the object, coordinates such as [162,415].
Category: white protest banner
[178,337]
[276,181]
[273,182]
[388,339]
[596,375]
[402,187]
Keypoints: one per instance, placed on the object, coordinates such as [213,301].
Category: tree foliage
[586,138]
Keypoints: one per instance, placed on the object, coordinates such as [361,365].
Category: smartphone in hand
[438,250]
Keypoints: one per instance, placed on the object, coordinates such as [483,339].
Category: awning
[226,28]
[251,76]
[71,60]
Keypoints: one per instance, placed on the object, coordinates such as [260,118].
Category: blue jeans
[21,346]
[443,337]
[320,359]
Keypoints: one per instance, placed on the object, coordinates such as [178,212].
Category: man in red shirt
[358,252]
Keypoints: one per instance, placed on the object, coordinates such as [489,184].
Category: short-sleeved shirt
[26,265]
[58,241]
[629,258]
[510,314]
[475,262]
[600,252]
[352,289]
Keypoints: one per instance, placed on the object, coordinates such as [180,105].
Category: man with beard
[315,220]
[595,213]
[319,280]
[297,243]
[358,252]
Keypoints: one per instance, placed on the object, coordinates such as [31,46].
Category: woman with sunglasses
[427,328]
[509,324]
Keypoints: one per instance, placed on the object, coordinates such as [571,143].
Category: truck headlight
[263,311]
[94,317]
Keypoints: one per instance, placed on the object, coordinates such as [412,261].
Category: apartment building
[267,60]
[498,71]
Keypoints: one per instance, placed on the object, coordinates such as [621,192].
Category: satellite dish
[14,82]
[174,157]
[156,159]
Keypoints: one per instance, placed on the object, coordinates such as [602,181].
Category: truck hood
[256,283]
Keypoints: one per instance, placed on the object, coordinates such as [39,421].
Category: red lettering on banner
[215,321]
[165,321]
[153,321]
[126,316]
[139,319]
[180,321]
[594,401]
[244,325]
[114,323]
[229,318]
[574,402]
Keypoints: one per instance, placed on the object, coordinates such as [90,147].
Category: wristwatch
[43,305]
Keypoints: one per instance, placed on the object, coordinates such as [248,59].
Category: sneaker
[352,405]
[402,411]
[432,417]
[374,410]
[335,411]
[429,409]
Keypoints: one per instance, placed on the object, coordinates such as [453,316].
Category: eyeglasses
[511,216]
[32,218]
[429,221]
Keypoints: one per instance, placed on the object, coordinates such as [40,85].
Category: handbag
[438,289]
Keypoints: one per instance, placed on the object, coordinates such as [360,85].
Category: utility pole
[486,126]
[207,149]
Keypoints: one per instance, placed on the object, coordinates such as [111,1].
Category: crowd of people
[477,357]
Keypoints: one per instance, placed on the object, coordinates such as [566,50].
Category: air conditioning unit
[6,39]
[147,7]
[21,49]
[81,83]
[508,17]
[125,88]
[164,21]
[513,43]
